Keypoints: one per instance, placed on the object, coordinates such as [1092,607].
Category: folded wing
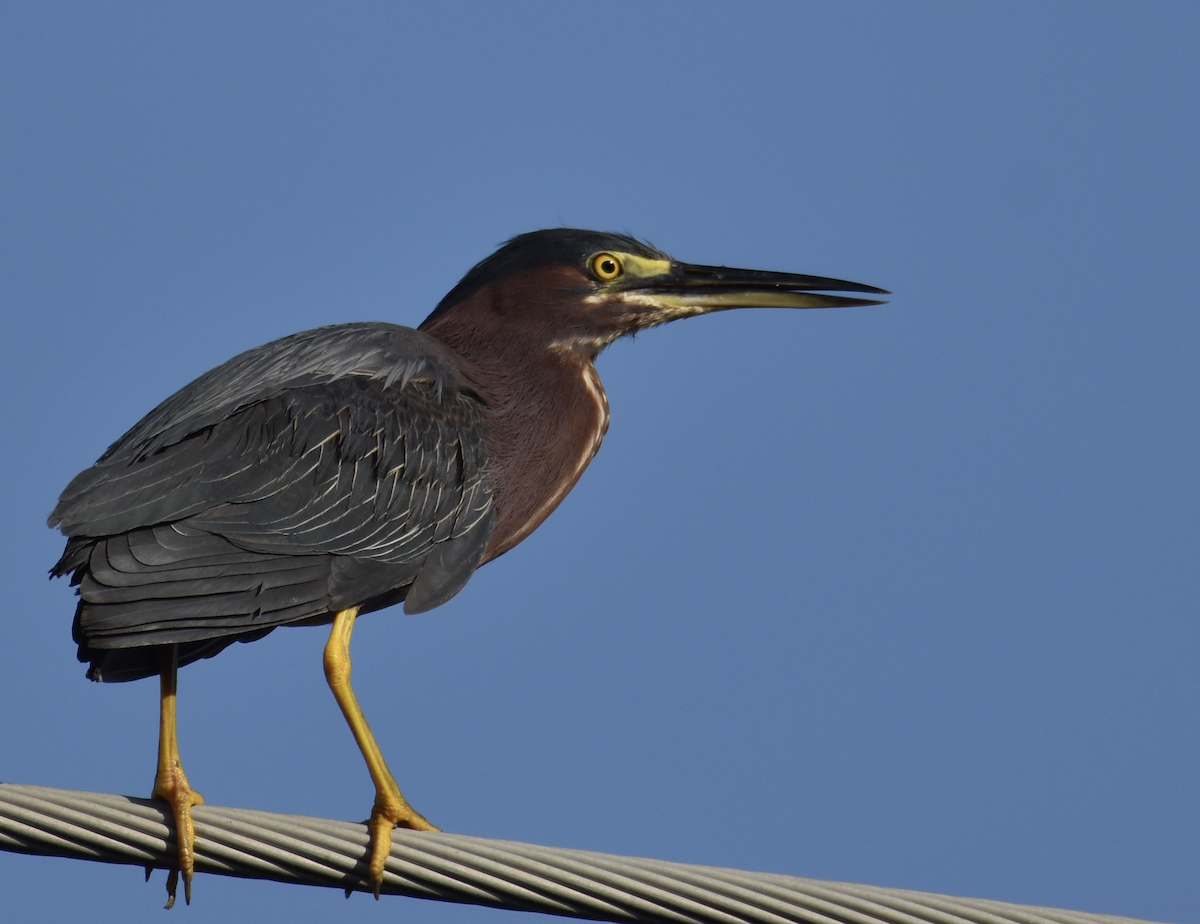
[296,480]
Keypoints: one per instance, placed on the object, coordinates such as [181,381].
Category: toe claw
[172,884]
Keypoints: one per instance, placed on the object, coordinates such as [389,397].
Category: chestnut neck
[545,410]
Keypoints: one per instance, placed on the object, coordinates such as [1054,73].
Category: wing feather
[248,501]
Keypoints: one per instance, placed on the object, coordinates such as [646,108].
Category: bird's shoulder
[337,394]
[388,353]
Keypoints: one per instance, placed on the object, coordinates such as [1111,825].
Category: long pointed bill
[691,289]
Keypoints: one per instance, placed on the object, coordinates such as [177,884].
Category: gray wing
[289,483]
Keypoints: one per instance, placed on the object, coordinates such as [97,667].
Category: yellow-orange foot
[172,787]
[387,813]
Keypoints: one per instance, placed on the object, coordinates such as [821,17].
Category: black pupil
[607,267]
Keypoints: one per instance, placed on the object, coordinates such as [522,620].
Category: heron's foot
[390,810]
[172,787]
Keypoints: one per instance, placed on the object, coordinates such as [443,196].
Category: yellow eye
[606,266]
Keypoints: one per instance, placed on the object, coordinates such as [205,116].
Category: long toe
[383,819]
[180,797]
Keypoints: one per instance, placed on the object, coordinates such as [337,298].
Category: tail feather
[175,585]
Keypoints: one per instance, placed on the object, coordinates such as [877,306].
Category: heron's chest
[542,449]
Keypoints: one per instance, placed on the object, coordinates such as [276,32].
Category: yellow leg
[391,808]
[170,783]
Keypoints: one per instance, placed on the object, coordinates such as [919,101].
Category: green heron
[345,469]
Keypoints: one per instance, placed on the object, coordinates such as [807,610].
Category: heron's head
[581,290]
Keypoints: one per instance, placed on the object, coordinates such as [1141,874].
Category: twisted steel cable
[473,870]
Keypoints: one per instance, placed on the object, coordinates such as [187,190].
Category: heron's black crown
[548,247]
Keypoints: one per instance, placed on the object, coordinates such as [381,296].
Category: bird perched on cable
[346,469]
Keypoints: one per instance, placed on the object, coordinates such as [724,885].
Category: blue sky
[902,595]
